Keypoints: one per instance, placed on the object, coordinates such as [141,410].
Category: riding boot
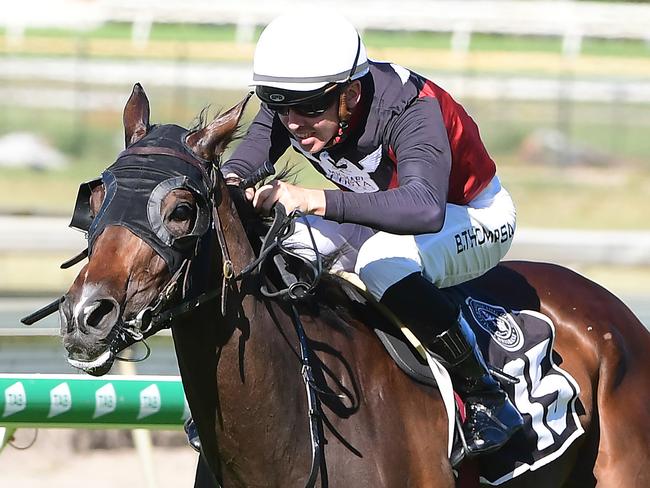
[192,434]
[491,419]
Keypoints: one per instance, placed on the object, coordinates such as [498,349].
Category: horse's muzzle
[86,327]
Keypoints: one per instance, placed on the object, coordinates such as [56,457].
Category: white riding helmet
[301,56]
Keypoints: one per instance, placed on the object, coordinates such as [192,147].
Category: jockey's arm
[417,205]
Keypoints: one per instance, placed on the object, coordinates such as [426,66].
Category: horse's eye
[182,212]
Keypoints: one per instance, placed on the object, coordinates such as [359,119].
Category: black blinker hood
[135,186]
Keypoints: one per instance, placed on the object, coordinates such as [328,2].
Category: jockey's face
[314,132]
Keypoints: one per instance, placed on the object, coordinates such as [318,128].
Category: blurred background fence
[569,19]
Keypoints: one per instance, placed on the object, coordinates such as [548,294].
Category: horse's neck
[259,370]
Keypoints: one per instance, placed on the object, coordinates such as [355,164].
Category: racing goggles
[311,107]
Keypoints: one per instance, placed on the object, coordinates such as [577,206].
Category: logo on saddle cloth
[496,322]
[520,343]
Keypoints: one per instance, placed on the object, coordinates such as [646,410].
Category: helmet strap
[344,112]
[344,120]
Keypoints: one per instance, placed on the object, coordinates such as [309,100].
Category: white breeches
[473,239]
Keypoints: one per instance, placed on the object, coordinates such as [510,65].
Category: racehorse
[241,354]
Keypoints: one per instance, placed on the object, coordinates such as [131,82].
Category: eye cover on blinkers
[135,186]
[81,215]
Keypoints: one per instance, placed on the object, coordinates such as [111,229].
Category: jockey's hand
[291,196]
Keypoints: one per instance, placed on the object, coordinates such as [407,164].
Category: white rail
[51,234]
[108,74]
[568,19]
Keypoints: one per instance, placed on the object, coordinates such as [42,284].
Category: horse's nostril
[65,315]
[101,309]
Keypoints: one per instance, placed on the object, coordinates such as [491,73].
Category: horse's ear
[136,116]
[211,141]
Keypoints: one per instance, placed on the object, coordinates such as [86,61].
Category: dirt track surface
[54,462]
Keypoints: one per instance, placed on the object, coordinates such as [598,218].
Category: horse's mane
[256,224]
[201,120]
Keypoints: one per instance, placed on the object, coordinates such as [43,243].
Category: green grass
[90,141]
[398,39]
[159,32]
[579,197]
[484,42]
[619,47]
[617,132]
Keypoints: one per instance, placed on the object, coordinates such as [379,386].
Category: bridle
[161,312]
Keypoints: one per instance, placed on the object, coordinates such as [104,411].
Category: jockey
[418,206]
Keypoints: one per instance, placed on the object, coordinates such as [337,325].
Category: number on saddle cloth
[520,343]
